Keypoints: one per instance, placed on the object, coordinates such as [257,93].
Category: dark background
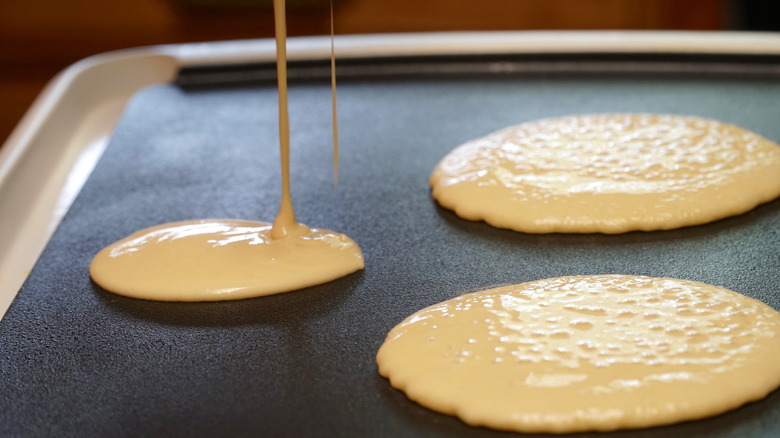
[39,38]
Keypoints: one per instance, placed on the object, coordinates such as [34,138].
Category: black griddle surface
[78,361]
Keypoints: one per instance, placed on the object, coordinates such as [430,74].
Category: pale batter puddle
[609,173]
[206,260]
[586,353]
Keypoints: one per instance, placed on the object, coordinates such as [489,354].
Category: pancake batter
[585,353]
[205,260]
[609,173]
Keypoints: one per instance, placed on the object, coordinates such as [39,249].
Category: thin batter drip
[285,223]
[334,106]
[225,259]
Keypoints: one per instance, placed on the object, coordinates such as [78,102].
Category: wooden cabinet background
[38,38]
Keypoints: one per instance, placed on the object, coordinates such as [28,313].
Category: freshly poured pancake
[206,260]
[609,173]
[586,353]
[209,260]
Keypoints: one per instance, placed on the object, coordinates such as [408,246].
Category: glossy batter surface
[609,173]
[207,260]
[586,353]
[210,260]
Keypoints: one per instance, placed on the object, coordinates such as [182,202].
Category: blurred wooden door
[40,37]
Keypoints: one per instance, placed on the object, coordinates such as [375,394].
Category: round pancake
[608,173]
[221,259]
[585,353]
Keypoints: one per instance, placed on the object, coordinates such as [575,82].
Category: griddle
[79,361]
